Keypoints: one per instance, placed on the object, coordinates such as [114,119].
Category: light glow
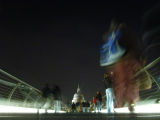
[150,108]
[13,109]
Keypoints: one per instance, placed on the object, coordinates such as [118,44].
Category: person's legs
[111,100]
[110,103]
[55,105]
[87,109]
[98,106]
[107,101]
[83,109]
[94,107]
[58,105]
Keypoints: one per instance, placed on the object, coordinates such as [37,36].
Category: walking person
[73,107]
[99,101]
[47,94]
[109,92]
[84,106]
[57,98]
[78,106]
[87,106]
[94,103]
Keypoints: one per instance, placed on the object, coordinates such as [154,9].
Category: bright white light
[122,110]
[150,108]
[53,111]
[41,111]
[11,109]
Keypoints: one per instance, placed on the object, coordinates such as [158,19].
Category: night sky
[58,42]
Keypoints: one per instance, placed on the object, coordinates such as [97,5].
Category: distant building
[78,97]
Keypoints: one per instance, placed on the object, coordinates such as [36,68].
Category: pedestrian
[57,98]
[94,103]
[109,92]
[99,101]
[73,107]
[87,106]
[48,96]
[78,106]
[84,106]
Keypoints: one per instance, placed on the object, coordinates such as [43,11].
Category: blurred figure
[73,107]
[99,101]
[109,91]
[78,106]
[84,106]
[57,98]
[124,65]
[94,103]
[125,85]
[111,51]
[87,106]
[47,94]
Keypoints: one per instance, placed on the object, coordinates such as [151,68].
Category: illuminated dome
[78,97]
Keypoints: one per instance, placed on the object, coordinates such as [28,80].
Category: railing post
[25,100]
[37,101]
[13,90]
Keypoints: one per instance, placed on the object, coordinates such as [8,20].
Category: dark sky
[58,42]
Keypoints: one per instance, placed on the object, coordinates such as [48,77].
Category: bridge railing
[150,76]
[16,92]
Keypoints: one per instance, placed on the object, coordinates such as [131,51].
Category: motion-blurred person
[87,106]
[47,94]
[109,92]
[124,66]
[94,103]
[99,101]
[84,106]
[78,106]
[73,107]
[57,98]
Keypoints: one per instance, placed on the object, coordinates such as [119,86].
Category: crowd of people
[86,106]
[81,106]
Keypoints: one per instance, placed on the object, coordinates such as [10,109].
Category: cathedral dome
[78,97]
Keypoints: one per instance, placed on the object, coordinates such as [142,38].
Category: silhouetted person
[47,94]
[57,98]
[109,92]
[78,106]
[94,103]
[46,91]
[84,106]
[73,107]
[99,100]
[87,106]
